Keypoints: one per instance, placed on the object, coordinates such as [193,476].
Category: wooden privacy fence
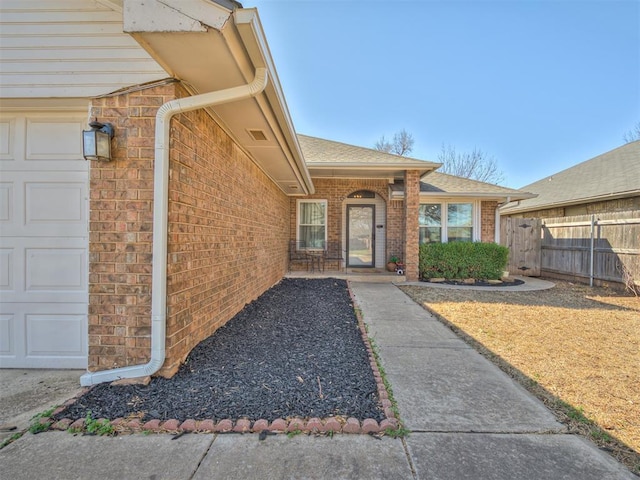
[599,247]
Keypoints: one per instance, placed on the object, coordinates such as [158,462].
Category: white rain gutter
[496,236]
[160,222]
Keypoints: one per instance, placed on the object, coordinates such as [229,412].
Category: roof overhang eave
[507,210]
[333,169]
[216,48]
[253,36]
[478,195]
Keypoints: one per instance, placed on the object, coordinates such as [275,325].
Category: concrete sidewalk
[467,420]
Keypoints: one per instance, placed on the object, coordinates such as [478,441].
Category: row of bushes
[484,261]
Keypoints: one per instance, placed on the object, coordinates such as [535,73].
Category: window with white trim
[312,223]
[446,222]
[430,221]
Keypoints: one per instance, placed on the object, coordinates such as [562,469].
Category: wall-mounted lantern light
[96,143]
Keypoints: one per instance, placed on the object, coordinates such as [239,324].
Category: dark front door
[361,235]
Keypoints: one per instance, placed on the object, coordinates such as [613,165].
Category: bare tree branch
[475,165]
[633,134]
[383,146]
[402,144]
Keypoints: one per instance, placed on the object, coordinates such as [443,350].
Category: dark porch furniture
[315,258]
[333,253]
[298,254]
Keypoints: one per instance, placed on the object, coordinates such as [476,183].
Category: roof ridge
[380,152]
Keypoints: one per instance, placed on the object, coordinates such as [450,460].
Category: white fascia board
[204,11]
[173,16]
[353,176]
[476,195]
[363,166]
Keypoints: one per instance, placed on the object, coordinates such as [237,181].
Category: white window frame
[444,206]
[298,211]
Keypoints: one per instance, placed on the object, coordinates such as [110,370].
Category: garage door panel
[58,203]
[44,204]
[7,276]
[7,335]
[7,139]
[6,203]
[50,269]
[54,139]
[43,269]
[60,335]
[43,335]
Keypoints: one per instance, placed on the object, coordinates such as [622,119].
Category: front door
[361,235]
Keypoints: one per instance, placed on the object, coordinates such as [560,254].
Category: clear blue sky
[540,85]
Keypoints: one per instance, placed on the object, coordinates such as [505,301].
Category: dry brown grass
[575,347]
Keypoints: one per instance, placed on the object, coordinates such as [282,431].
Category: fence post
[591,248]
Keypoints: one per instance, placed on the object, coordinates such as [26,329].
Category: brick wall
[336,191]
[395,229]
[488,221]
[227,238]
[412,237]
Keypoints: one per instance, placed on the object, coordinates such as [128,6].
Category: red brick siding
[395,229]
[412,237]
[488,221]
[228,227]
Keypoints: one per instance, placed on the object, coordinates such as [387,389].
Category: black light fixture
[96,143]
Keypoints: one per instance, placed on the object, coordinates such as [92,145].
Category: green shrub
[484,261]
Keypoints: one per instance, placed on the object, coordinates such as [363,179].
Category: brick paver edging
[329,425]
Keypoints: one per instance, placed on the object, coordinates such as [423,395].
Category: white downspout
[497,221]
[160,222]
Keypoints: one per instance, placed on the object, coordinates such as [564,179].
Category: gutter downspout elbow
[496,234]
[160,222]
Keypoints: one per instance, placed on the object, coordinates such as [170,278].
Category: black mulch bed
[482,283]
[296,351]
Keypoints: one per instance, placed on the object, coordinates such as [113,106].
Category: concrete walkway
[467,420]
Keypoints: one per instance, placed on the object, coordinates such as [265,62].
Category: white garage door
[43,242]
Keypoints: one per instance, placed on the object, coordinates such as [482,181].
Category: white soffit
[210,57]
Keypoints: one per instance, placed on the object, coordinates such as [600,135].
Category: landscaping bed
[575,347]
[297,352]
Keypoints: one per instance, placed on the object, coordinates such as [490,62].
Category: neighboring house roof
[326,158]
[438,184]
[612,175]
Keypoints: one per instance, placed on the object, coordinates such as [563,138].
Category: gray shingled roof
[614,174]
[318,151]
[442,184]
[437,182]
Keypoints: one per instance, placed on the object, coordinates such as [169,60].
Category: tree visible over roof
[476,165]
[633,134]
[402,144]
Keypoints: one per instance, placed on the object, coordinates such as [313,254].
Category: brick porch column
[411,207]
